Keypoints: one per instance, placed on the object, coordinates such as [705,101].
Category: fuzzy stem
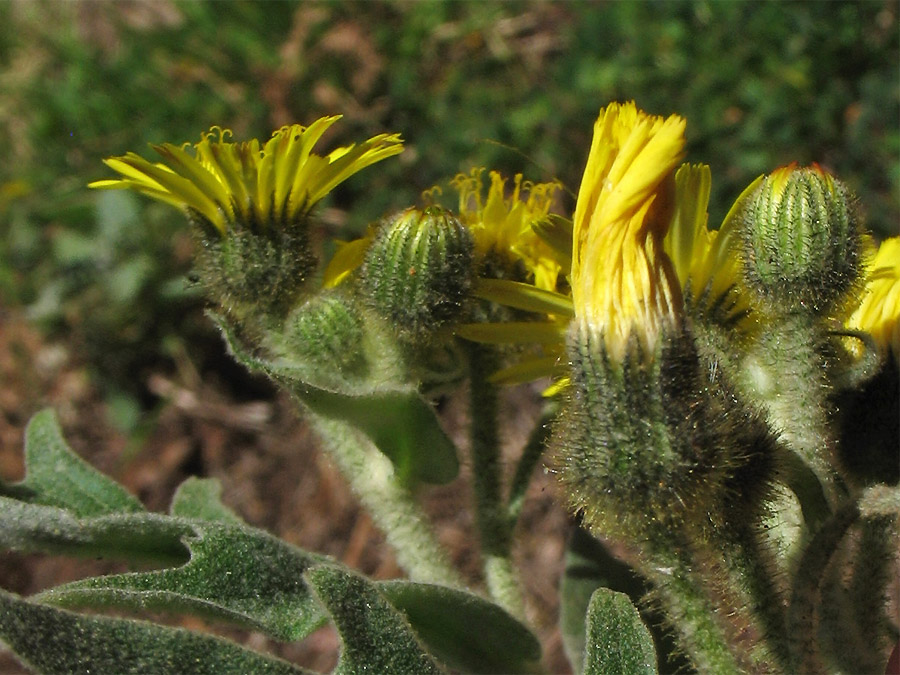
[871,578]
[373,479]
[789,374]
[531,455]
[493,525]
[750,570]
[689,611]
[802,615]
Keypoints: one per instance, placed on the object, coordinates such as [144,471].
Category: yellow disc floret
[502,222]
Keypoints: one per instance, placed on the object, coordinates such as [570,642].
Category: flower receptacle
[653,440]
[256,278]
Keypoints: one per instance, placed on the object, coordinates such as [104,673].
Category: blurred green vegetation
[511,86]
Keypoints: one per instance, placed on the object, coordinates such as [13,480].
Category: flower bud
[802,240]
[326,335]
[418,271]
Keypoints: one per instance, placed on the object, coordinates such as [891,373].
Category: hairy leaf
[52,640]
[617,641]
[399,421]
[589,566]
[136,537]
[227,572]
[401,424]
[56,476]
[200,498]
[464,630]
[376,637]
[235,574]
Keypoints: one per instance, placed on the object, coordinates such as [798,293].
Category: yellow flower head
[503,223]
[879,311]
[623,283]
[706,261]
[225,183]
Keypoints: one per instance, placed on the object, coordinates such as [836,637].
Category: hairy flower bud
[418,271]
[250,204]
[802,240]
[326,333]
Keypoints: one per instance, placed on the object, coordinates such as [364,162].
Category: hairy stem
[531,455]
[493,525]
[789,374]
[803,616]
[373,479]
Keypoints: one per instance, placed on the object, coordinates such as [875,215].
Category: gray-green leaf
[617,641]
[400,423]
[376,637]
[464,630]
[136,537]
[589,566]
[201,498]
[56,476]
[52,640]
[398,420]
[235,574]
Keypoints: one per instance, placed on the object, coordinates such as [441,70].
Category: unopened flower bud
[418,271]
[802,240]
[326,333]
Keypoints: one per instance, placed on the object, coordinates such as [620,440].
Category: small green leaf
[56,476]
[201,498]
[464,630]
[589,566]
[376,637]
[617,641]
[400,423]
[52,640]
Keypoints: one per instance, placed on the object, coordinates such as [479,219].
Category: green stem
[374,480]
[720,597]
[872,575]
[750,570]
[493,526]
[803,617]
[689,611]
[531,455]
[789,373]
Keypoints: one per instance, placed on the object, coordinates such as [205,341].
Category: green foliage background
[512,86]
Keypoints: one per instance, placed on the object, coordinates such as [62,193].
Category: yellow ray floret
[622,281]
[502,222]
[706,261]
[878,312]
[227,183]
